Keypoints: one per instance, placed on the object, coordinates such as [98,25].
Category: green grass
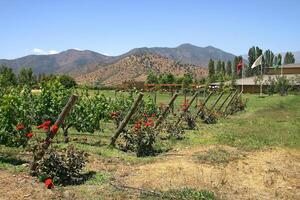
[11,160]
[185,193]
[99,178]
[218,156]
[270,121]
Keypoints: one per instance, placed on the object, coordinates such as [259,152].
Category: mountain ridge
[76,62]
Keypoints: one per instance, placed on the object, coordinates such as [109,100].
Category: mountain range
[90,67]
[75,62]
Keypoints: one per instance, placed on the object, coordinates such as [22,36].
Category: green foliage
[279,59]
[152,78]
[269,58]
[187,79]
[289,58]
[62,167]
[166,78]
[219,67]
[67,81]
[7,77]
[16,111]
[237,105]
[282,85]
[51,100]
[141,138]
[211,68]
[253,54]
[168,130]
[87,113]
[26,77]
[228,68]
[271,86]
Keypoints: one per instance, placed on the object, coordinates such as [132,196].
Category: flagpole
[261,82]
[242,77]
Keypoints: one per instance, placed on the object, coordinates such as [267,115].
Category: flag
[257,62]
[239,66]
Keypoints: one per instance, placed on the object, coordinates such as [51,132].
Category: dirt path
[268,174]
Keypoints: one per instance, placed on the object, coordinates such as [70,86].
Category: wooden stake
[204,103]
[219,109]
[126,119]
[38,156]
[166,110]
[217,100]
[187,108]
[229,103]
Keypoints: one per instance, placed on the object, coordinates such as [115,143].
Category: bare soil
[266,174]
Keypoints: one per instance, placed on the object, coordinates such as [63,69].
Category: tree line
[26,77]
[169,78]
[221,70]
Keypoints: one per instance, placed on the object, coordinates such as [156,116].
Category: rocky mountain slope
[136,67]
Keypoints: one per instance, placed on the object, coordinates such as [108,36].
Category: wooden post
[166,110]
[126,119]
[217,100]
[38,156]
[204,103]
[219,109]
[232,98]
[187,108]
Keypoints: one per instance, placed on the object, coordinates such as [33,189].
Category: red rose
[137,125]
[153,115]
[113,115]
[149,123]
[145,115]
[49,184]
[54,129]
[29,135]
[20,127]
[44,125]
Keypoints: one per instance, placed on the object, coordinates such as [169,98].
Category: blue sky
[115,26]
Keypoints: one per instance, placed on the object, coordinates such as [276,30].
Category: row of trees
[168,78]
[27,77]
[219,70]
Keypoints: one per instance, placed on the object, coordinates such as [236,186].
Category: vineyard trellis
[51,109]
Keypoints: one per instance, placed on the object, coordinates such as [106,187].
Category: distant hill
[186,53]
[75,62]
[72,62]
[136,67]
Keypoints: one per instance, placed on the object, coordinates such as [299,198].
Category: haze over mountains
[75,62]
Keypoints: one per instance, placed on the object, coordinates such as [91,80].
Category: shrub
[141,138]
[271,86]
[62,167]
[190,120]
[237,105]
[282,85]
[171,131]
